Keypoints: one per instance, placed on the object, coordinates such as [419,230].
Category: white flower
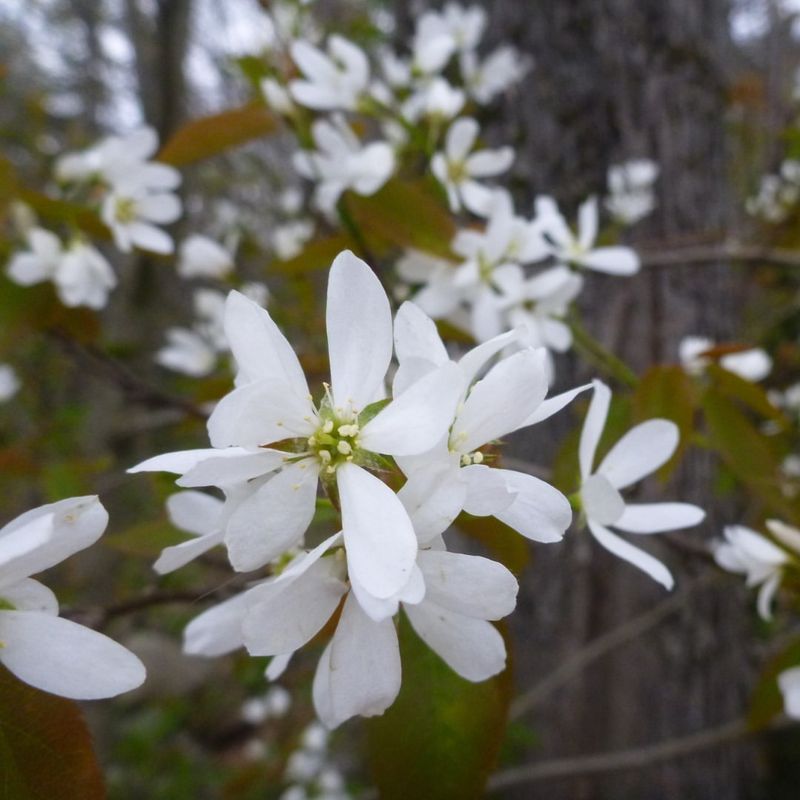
[277,96]
[40,262]
[9,382]
[84,277]
[465,26]
[340,162]
[335,80]
[40,648]
[642,450]
[441,100]
[631,186]
[187,352]
[131,211]
[454,475]
[747,552]
[457,168]
[201,257]
[121,161]
[288,239]
[789,684]
[751,365]
[500,70]
[272,403]
[580,249]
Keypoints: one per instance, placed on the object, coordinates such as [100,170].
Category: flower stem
[594,352]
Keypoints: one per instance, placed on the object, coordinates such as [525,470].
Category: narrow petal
[487,163]
[659,517]
[601,501]
[487,491]
[260,413]
[180,555]
[785,534]
[288,613]
[232,465]
[359,672]
[273,518]
[260,349]
[613,260]
[30,595]
[460,138]
[359,323]
[181,460]
[552,405]
[415,336]
[593,427]
[45,536]
[64,658]
[766,595]
[194,512]
[470,585]
[633,555]
[379,538]
[501,401]
[587,223]
[539,511]
[416,420]
[471,647]
[217,631]
[641,451]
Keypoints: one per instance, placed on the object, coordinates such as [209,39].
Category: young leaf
[45,747]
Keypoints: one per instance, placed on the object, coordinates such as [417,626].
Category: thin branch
[604,644]
[632,759]
[717,253]
[135,388]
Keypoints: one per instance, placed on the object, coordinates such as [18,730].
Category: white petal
[45,536]
[415,336]
[473,361]
[416,420]
[477,197]
[285,614]
[379,538]
[613,260]
[180,555]
[181,460]
[379,609]
[639,452]
[359,323]
[218,630]
[149,237]
[460,138]
[766,595]
[487,163]
[658,517]
[469,585]
[30,595]
[500,402]
[433,496]
[260,413]
[786,534]
[471,647]
[64,658]
[539,511]
[194,512]
[487,491]
[552,405]
[260,349]
[633,555]
[277,667]
[359,672]
[274,517]
[593,427]
[233,465]
[587,223]
[601,501]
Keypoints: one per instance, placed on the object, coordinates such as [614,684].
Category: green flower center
[125,210]
[334,442]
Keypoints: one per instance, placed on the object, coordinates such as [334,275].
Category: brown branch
[135,389]
[632,759]
[604,644]
[717,253]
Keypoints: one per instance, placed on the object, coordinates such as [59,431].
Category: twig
[604,644]
[716,253]
[632,759]
[130,383]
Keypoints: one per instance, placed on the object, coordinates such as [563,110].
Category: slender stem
[589,347]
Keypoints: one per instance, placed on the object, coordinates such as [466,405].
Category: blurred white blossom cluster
[777,193]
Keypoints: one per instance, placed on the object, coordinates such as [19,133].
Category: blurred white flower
[289,239]
[789,685]
[84,277]
[751,365]
[464,26]
[133,213]
[277,96]
[9,382]
[499,71]
[201,257]
[630,185]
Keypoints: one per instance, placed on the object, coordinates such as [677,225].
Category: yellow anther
[477,457]
[328,426]
[344,448]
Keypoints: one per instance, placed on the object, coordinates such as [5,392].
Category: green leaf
[747,392]
[45,747]
[209,136]
[403,214]
[440,740]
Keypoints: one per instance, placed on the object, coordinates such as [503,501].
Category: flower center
[457,171]
[334,442]
[467,459]
[125,210]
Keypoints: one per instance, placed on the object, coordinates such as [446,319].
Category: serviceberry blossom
[580,249]
[464,26]
[789,685]
[133,213]
[457,168]
[641,451]
[40,648]
[339,441]
[631,196]
[499,71]
[80,273]
[697,352]
[335,80]
[289,238]
[747,552]
[202,257]
[341,162]
[9,382]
